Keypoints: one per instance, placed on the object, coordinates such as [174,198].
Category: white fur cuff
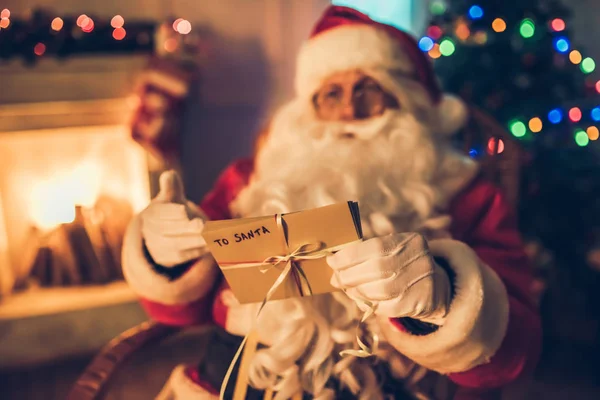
[475,325]
[181,387]
[192,285]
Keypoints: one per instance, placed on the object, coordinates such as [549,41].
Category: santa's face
[352,141]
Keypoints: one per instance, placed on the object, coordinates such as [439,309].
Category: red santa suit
[491,335]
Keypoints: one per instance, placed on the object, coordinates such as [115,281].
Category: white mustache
[363,130]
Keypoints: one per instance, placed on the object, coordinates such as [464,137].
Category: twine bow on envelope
[306,251]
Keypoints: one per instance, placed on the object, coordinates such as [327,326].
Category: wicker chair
[500,157]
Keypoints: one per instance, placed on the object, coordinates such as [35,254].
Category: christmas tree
[516,62]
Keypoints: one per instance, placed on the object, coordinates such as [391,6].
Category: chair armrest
[98,373]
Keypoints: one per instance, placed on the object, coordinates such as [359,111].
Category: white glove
[397,274]
[171,225]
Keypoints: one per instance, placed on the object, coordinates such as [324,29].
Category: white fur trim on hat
[345,48]
[181,387]
[140,276]
[453,115]
[477,321]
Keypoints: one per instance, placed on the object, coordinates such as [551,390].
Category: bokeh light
[87,25]
[437,7]
[588,65]
[561,44]
[575,114]
[184,27]
[558,25]
[117,21]
[555,116]
[581,138]
[492,146]
[447,47]
[598,86]
[119,34]
[575,57]
[435,52]
[170,45]
[475,12]
[426,43]
[434,32]
[498,25]
[4,23]
[535,124]
[518,128]
[5,13]
[39,49]
[527,28]
[593,133]
[595,113]
[462,31]
[57,24]
[176,23]
[80,20]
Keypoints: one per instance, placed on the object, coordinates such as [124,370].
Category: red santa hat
[345,39]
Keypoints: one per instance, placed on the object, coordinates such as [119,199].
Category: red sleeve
[229,184]
[483,219]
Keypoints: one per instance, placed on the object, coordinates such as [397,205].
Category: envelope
[242,248]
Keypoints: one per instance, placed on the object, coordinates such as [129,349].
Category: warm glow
[495,144]
[593,133]
[176,23]
[39,49]
[87,25]
[462,31]
[119,34]
[535,125]
[5,13]
[575,114]
[184,27]
[57,24]
[4,23]
[81,19]
[499,25]
[53,171]
[558,25]
[117,21]
[435,52]
[171,45]
[575,57]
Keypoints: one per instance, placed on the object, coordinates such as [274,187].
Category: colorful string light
[434,32]
[575,57]
[447,47]
[39,49]
[117,21]
[495,144]
[588,65]
[555,116]
[462,31]
[595,114]
[593,133]
[426,43]
[581,138]
[119,34]
[535,124]
[437,7]
[518,128]
[575,114]
[435,52]
[527,28]
[561,44]
[558,25]
[498,25]
[57,24]
[475,12]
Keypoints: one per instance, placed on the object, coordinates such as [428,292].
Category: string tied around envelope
[306,251]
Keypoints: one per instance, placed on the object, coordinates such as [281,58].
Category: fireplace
[67,193]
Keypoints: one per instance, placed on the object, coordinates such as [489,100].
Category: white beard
[390,168]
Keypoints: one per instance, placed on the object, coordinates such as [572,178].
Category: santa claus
[370,124]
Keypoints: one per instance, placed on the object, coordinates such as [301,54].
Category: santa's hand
[172,225]
[397,274]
